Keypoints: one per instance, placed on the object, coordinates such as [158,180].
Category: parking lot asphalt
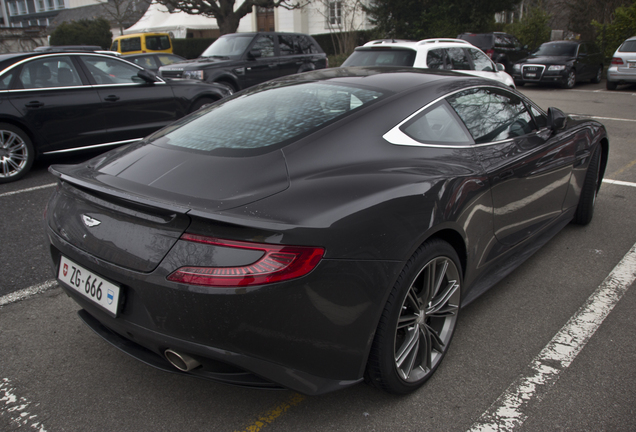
[56,375]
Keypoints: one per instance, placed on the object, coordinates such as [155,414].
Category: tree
[622,26]
[581,13]
[343,19]
[226,15]
[413,19]
[83,32]
[124,13]
[533,29]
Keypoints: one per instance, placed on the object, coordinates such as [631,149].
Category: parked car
[622,69]
[140,43]
[153,61]
[318,228]
[52,103]
[241,60]
[560,62]
[447,54]
[502,48]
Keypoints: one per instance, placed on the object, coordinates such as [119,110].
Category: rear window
[483,41]
[381,57]
[130,44]
[266,117]
[628,46]
[158,43]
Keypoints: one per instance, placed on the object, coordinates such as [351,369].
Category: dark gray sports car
[321,228]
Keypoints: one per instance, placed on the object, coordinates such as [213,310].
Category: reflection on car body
[321,228]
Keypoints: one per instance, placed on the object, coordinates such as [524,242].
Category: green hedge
[191,48]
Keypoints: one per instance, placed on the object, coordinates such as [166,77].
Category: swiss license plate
[92,286]
[531,75]
[631,65]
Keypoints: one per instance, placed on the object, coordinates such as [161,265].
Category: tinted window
[381,57]
[480,60]
[265,43]
[49,72]
[540,119]
[435,59]
[306,45]
[228,46]
[158,43]
[5,81]
[437,124]
[492,115]
[105,70]
[556,49]
[286,44]
[458,59]
[266,117]
[483,41]
[130,44]
[628,46]
[582,49]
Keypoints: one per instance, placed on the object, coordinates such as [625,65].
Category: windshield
[228,46]
[628,46]
[381,57]
[556,50]
[268,116]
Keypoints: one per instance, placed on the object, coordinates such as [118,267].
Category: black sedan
[53,103]
[560,62]
[321,228]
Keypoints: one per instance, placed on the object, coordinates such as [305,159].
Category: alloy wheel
[14,154]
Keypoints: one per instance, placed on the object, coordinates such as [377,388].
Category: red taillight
[278,263]
[490,52]
[617,61]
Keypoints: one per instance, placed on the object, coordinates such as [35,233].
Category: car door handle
[111,98]
[34,104]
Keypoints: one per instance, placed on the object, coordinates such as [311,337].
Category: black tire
[599,74]
[16,153]
[231,88]
[591,184]
[610,85]
[418,320]
[570,80]
[200,103]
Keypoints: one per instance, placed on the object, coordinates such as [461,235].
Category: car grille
[532,72]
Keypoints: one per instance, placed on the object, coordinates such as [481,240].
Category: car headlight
[193,74]
[516,68]
[556,68]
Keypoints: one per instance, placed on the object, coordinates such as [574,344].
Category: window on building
[22,7]
[335,13]
[13,9]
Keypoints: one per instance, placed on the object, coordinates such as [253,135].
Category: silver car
[622,70]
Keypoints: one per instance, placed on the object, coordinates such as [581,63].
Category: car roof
[416,45]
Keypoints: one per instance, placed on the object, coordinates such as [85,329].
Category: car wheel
[587,200]
[201,103]
[16,153]
[418,320]
[598,76]
[610,85]
[230,87]
[570,80]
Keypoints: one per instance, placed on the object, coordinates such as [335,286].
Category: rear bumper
[621,76]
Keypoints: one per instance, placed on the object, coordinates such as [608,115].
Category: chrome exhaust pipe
[182,362]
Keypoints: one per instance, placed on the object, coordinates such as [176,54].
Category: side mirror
[556,119]
[147,76]
[254,53]
[500,67]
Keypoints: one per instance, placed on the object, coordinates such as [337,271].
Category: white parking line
[601,118]
[510,410]
[15,407]
[25,293]
[618,182]
[28,190]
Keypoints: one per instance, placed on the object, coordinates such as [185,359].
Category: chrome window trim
[395,135]
[93,146]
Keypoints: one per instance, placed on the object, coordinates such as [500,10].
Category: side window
[515,42]
[146,62]
[115,46]
[130,44]
[435,59]
[5,80]
[305,45]
[437,124]
[480,60]
[265,43]
[492,115]
[458,59]
[582,49]
[106,70]
[167,59]
[539,118]
[50,72]
[286,44]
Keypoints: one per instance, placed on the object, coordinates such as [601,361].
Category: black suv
[501,47]
[241,60]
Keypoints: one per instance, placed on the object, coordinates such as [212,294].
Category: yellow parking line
[626,167]
[272,415]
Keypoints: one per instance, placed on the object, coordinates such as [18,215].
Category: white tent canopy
[158,19]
